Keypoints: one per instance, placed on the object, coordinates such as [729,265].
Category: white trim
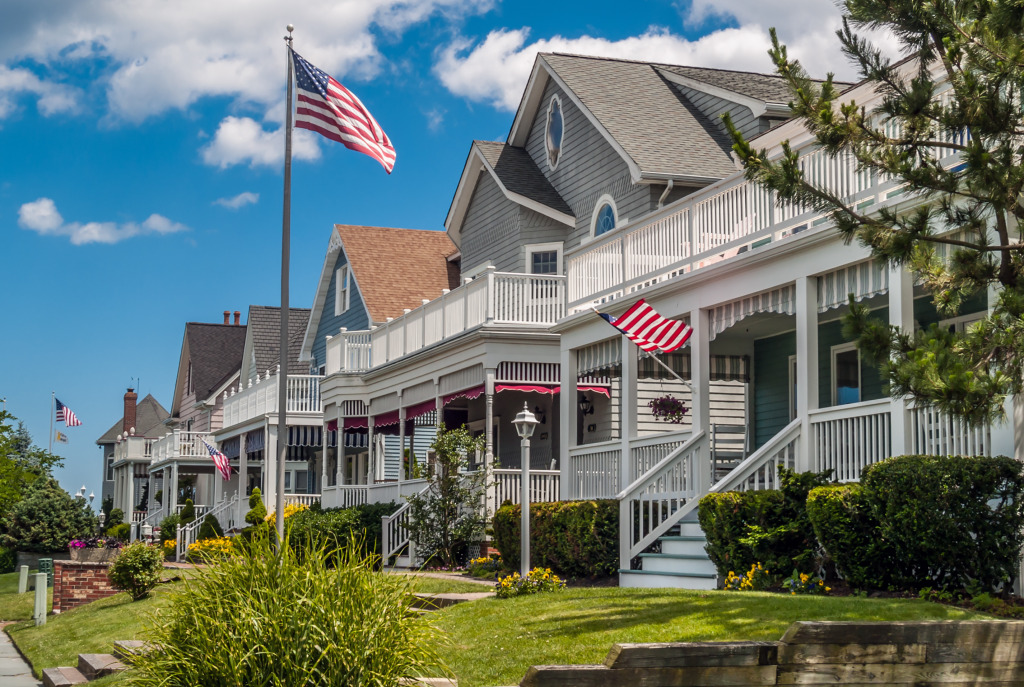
[342,289]
[606,198]
[844,348]
[961,322]
[547,131]
[759,108]
[791,392]
[476,271]
[531,248]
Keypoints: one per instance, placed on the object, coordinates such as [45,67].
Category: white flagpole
[282,377]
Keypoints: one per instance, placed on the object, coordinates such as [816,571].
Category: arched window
[553,133]
[605,216]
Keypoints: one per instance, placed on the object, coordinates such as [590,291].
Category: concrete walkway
[14,671]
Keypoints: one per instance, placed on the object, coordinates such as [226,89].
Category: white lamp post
[525,423]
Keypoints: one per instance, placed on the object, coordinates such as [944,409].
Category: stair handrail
[658,467]
[759,458]
[388,548]
[188,534]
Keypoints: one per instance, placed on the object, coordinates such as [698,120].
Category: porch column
[401,444]
[806,366]
[700,373]
[243,481]
[566,422]
[439,420]
[341,468]
[627,410]
[172,490]
[489,498]
[901,314]
[371,451]
[150,493]
[130,510]
[323,456]
[270,459]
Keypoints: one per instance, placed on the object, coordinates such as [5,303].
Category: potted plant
[668,408]
[94,550]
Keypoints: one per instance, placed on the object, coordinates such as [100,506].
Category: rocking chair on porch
[729,447]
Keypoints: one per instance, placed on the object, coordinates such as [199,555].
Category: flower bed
[95,549]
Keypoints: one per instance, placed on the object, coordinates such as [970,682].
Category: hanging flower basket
[668,409]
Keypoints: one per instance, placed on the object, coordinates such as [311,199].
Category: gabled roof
[263,340]
[397,268]
[215,351]
[149,421]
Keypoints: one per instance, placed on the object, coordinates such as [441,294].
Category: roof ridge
[367,226]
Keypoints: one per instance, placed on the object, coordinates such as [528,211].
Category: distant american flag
[65,415]
[650,331]
[220,460]
[333,111]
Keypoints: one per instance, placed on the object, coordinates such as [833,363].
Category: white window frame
[605,198]
[960,323]
[547,126]
[843,348]
[342,289]
[532,248]
[792,387]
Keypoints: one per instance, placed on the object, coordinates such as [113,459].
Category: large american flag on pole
[333,111]
[219,459]
[65,415]
[650,331]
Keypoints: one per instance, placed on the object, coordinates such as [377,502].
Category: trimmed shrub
[270,616]
[334,527]
[257,511]
[573,538]
[210,529]
[136,569]
[946,522]
[187,514]
[169,528]
[8,557]
[122,531]
[769,527]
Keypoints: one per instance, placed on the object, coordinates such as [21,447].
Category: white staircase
[659,511]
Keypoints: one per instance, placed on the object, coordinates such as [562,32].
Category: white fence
[261,397]
[493,297]
[507,486]
[848,438]
[647,452]
[594,471]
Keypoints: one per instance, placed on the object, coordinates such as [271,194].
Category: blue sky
[141,143]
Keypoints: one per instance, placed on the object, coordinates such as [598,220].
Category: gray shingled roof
[655,124]
[770,88]
[520,174]
[149,421]
[216,354]
[265,324]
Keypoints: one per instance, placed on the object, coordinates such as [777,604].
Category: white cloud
[42,217]
[495,70]
[242,140]
[235,202]
[51,98]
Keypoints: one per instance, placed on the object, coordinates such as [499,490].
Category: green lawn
[14,606]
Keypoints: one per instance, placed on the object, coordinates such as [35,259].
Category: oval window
[553,134]
[605,221]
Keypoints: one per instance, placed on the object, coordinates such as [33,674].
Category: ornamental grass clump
[269,615]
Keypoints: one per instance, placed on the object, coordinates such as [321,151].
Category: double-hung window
[341,290]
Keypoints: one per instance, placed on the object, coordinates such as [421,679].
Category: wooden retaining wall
[853,654]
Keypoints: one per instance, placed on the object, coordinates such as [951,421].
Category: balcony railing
[133,448]
[501,298]
[181,445]
[261,397]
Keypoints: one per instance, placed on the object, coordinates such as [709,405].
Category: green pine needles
[947,129]
[269,615]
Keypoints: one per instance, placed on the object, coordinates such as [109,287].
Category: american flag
[219,459]
[650,331]
[65,415]
[333,111]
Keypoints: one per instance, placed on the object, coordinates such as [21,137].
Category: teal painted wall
[771,385]
[831,334]
[355,318]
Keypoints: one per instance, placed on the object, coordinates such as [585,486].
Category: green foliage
[108,505]
[21,463]
[115,518]
[973,209]
[446,518]
[136,569]
[485,566]
[122,531]
[769,527]
[573,538]
[536,581]
[210,529]
[46,519]
[188,513]
[169,528]
[946,522]
[333,528]
[8,558]
[272,616]
[159,496]
[257,511]
[805,583]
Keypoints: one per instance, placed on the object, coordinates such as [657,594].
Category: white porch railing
[386,492]
[493,298]
[344,496]
[760,470]
[646,452]
[261,397]
[936,434]
[133,448]
[200,510]
[301,499]
[154,517]
[181,445]
[394,531]
[138,515]
[654,502]
[189,533]
[848,438]
[507,486]
[593,471]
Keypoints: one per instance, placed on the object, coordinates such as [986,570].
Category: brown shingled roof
[397,268]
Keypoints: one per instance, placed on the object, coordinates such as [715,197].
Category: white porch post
[901,314]
[700,372]
[341,469]
[489,377]
[401,444]
[627,410]
[439,419]
[130,510]
[371,454]
[567,422]
[172,490]
[806,366]
[270,466]
[323,455]
[243,480]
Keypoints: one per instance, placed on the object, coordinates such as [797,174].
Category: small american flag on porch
[220,460]
[647,329]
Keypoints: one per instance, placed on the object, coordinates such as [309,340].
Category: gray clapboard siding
[727,400]
[490,232]
[537,228]
[713,107]
[588,168]
[355,318]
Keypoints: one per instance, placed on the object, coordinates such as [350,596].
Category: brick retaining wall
[76,583]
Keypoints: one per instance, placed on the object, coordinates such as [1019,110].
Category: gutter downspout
[668,188]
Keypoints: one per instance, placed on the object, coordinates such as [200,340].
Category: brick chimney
[238,318]
[227,317]
[130,398]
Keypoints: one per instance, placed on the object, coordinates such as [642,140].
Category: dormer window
[605,216]
[554,131]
